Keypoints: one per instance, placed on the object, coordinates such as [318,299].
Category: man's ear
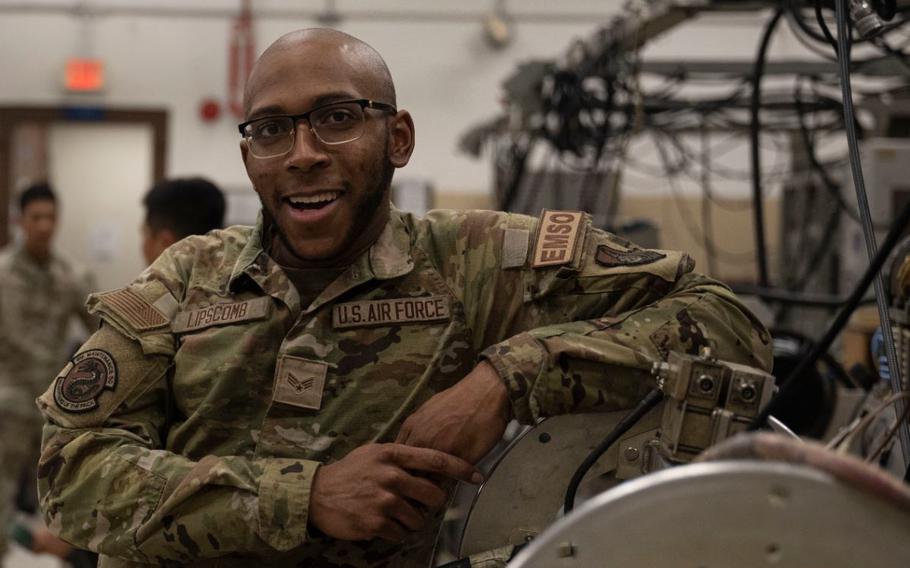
[401,138]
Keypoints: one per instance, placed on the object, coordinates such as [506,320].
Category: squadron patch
[557,237]
[84,379]
[611,257]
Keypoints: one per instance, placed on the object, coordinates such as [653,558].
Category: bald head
[360,59]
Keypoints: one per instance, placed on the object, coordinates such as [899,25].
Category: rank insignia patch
[84,379]
[611,257]
[300,382]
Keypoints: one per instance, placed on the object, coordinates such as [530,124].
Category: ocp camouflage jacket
[223,394]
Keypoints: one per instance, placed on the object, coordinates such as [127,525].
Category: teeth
[310,199]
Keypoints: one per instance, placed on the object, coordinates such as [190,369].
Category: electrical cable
[843,37]
[650,400]
[706,217]
[840,321]
[890,434]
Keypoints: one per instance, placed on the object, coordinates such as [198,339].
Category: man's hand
[466,420]
[373,491]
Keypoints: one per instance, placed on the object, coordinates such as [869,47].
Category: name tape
[557,238]
[221,314]
[387,312]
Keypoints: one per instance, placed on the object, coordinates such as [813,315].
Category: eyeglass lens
[333,124]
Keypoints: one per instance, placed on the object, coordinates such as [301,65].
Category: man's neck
[282,254]
[41,256]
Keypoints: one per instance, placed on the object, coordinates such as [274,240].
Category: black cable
[758,209]
[787,297]
[706,216]
[840,321]
[856,168]
[650,400]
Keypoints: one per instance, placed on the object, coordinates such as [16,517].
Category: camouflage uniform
[228,393]
[37,301]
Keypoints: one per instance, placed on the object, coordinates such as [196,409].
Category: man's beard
[363,213]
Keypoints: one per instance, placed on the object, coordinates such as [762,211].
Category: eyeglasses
[334,123]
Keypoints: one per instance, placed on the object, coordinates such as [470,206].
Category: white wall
[446,75]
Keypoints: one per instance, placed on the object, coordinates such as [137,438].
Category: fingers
[434,461]
[421,491]
[404,433]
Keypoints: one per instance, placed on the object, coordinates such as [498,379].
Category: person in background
[177,208]
[40,292]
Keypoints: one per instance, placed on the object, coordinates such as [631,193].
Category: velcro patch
[300,382]
[514,247]
[612,257]
[135,309]
[557,237]
[387,312]
[84,379]
[222,314]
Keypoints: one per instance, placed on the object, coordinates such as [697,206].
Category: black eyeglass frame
[364,104]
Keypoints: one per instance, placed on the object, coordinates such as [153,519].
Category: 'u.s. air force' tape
[392,311]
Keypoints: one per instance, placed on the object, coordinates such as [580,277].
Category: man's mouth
[315,201]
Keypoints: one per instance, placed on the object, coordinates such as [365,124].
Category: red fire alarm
[84,75]
[209,110]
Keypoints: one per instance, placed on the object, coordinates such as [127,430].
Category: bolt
[747,392]
[565,550]
[705,383]
[631,454]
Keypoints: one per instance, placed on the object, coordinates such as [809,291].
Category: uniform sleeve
[107,484]
[583,335]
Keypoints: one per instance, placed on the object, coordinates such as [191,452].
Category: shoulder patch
[557,237]
[84,379]
[135,309]
[611,257]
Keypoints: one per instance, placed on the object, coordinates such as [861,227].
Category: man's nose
[308,151]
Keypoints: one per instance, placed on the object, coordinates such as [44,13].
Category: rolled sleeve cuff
[284,499]
[519,361]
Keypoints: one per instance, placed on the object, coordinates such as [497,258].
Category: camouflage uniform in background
[210,395]
[36,303]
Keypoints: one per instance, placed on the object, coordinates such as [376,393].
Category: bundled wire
[843,41]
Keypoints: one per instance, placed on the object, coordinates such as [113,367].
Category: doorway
[100,163]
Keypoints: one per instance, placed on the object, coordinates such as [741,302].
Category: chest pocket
[383,355]
[224,364]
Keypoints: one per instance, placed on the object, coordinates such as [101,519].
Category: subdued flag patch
[136,310]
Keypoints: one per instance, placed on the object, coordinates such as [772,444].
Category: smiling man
[303,392]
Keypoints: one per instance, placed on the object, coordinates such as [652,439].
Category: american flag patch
[135,309]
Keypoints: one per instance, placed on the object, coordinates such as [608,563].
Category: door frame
[13,116]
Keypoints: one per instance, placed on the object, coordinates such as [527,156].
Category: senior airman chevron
[388,312]
[557,237]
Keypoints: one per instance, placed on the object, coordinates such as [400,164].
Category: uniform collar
[389,257]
